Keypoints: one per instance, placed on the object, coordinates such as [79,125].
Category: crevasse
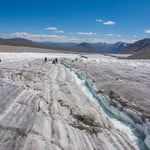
[119,123]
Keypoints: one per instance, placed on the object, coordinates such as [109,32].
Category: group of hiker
[54,61]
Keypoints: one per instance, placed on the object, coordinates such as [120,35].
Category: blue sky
[75,20]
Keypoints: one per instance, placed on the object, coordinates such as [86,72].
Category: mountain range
[76,47]
[139,49]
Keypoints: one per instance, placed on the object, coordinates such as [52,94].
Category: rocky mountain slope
[139,46]
[111,48]
[65,44]
[28,43]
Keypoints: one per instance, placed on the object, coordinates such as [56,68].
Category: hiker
[56,60]
[53,62]
[45,59]
[0,60]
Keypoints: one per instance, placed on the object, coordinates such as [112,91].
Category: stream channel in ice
[134,135]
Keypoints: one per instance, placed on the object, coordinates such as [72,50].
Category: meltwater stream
[134,135]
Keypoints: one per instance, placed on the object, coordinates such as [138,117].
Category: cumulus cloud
[109,23]
[54,29]
[51,28]
[27,35]
[40,37]
[106,22]
[118,35]
[86,33]
[99,20]
[147,31]
[126,41]
[109,35]
[96,40]
[59,31]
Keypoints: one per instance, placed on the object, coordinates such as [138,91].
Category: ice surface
[43,107]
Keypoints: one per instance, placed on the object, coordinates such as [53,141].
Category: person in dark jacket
[45,59]
[53,62]
[56,60]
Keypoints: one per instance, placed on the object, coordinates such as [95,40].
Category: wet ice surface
[125,81]
[128,79]
[119,123]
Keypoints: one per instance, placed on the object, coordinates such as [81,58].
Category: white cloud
[127,41]
[40,37]
[147,31]
[109,23]
[96,40]
[109,35]
[86,33]
[118,35]
[99,20]
[59,31]
[27,35]
[54,29]
[51,28]
[18,34]
[106,22]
